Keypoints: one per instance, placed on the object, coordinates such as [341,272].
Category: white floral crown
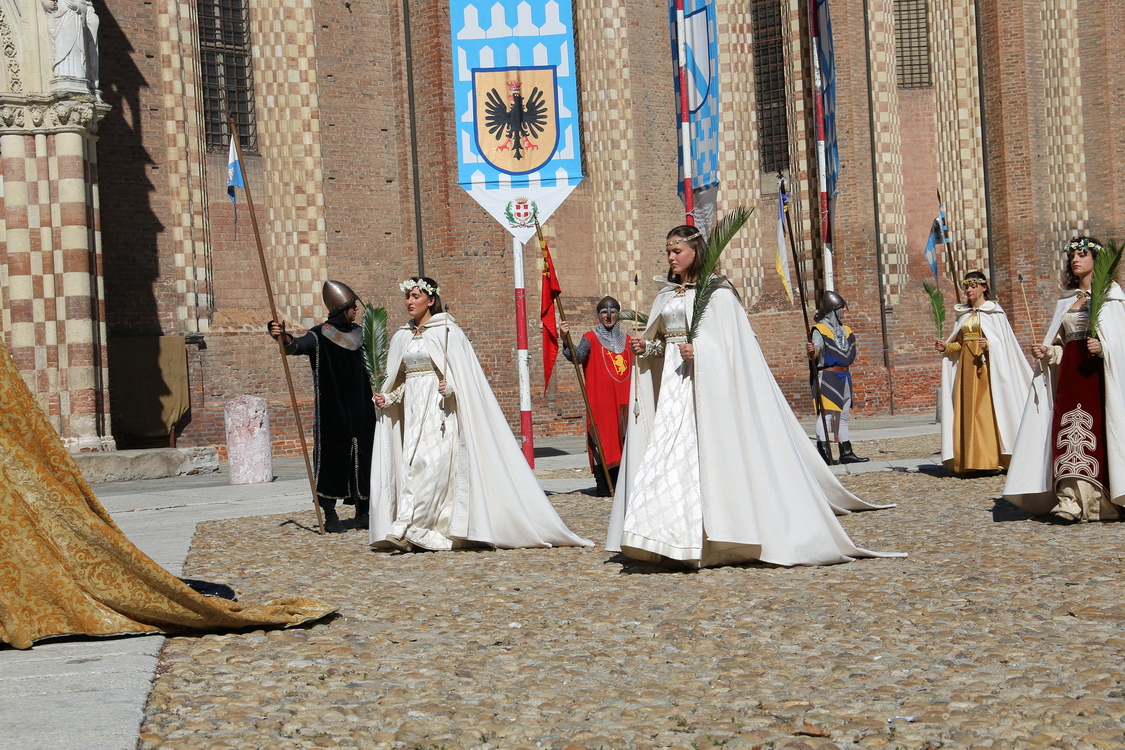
[1082,243]
[422,284]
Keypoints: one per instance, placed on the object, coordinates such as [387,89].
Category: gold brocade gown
[976,436]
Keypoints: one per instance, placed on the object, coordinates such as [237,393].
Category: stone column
[248,440]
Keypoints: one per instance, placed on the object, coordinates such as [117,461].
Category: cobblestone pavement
[998,631]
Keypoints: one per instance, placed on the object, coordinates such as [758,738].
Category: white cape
[763,482]
[1009,377]
[1030,482]
[497,499]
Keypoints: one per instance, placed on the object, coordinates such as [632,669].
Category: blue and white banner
[702,73]
[828,76]
[517,107]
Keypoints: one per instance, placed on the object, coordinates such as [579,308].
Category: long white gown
[467,487]
[717,470]
[426,499]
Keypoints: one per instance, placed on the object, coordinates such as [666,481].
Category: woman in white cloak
[717,470]
[446,472]
[1069,459]
[984,380]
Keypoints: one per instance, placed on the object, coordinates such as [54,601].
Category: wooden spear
[804,304]
[578,373]
[281,338]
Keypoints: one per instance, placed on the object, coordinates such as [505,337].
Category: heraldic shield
[517,119]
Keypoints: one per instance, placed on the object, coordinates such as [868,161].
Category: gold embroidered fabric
[65,566]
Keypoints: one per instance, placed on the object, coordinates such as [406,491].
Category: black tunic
[345,417]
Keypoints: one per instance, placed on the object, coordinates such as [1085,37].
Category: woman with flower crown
[717,470]
[984,379]
[1069,460]
[446,472]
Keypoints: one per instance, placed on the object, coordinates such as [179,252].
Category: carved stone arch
[13,46]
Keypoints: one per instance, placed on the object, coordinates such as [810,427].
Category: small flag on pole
[551,290]
[938,236]
[234,178]
[782,261]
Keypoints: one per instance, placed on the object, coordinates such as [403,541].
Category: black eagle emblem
[518,124]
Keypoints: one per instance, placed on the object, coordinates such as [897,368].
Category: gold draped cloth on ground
[976,437]
[65,566]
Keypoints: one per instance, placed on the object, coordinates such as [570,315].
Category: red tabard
[607,384]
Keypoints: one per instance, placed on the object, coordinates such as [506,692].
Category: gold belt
[967,336]
[416,370]
[676,335]
[1075,336]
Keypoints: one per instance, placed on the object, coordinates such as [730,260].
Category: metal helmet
[337,297]
[829,301]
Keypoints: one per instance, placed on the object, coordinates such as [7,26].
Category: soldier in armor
[833,351]
[345,412]
[607,363]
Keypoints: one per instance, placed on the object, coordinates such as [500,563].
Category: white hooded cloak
[763,483]
[497,499]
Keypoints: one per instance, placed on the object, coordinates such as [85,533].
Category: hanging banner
[701,66]
[517,107]
[828,73]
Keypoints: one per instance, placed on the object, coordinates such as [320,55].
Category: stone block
[199,460]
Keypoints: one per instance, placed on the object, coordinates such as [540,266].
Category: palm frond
[1105,273]
[937,307]
[640,317]
[721,235]
[375,345]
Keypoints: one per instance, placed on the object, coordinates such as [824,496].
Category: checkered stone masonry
[184,159]
[602,37]
[288,119]
[960,145]
[888,149]
[1064,143]
[54,317]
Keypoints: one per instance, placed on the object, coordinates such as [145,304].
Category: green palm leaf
[1105,273]
[721,235]
[375,345]
[640,317]
[937,307]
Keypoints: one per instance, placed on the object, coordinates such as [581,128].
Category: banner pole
[280,339]
[527,442]
[578,373]
[685,117]
[821,156]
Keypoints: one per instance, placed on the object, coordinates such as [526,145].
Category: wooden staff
[636,362]
[1030,320]
[445,365]
[950,263]
[804,305]
[578,373]
[281,338]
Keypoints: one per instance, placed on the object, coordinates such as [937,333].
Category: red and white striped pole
[821,157]
[528,441]
[685,120]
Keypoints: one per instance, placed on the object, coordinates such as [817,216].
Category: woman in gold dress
[985,378]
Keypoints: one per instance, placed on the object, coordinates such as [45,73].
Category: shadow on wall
[130,226]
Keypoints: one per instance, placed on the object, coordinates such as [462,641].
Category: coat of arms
[521,213]
[516,117]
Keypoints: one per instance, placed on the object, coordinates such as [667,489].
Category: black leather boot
[332,523]
[848,456]
[824,448]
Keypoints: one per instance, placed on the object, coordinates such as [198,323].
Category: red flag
[551,290]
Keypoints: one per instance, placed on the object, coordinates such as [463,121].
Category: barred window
[912,44]
[228,76]
[769,81]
